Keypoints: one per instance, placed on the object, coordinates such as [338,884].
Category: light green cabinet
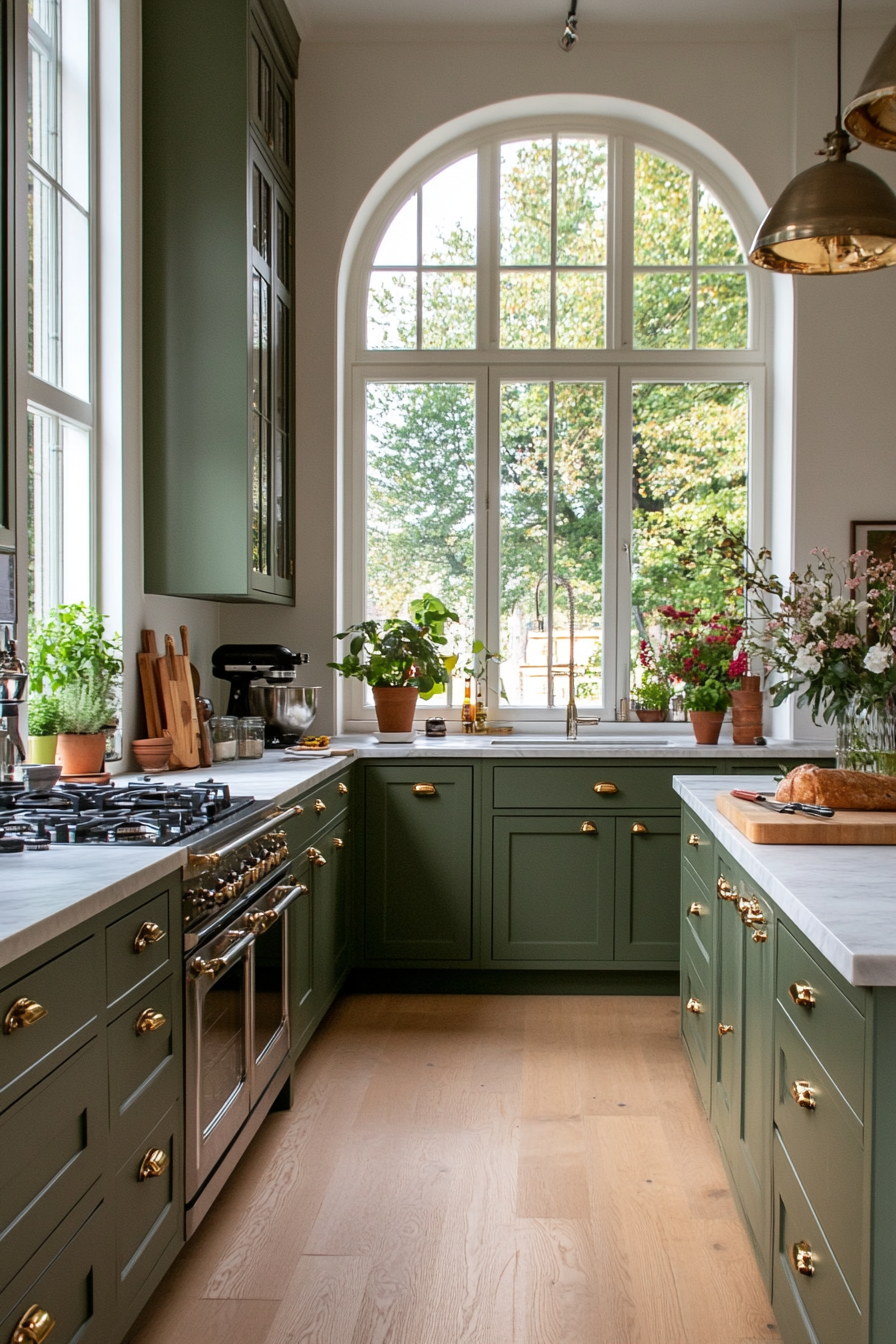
[647,889]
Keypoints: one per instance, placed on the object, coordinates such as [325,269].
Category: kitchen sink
[601,740]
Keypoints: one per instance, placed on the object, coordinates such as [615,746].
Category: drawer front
[131,955]
[66,989]
[53,1147]
[824,1144]
[573,786]
[697,847]
[144,1073]
[698,911]
[825,1298]
[697,1021]
[326,804]
[832,1027]
[71,1288]
[149,1211]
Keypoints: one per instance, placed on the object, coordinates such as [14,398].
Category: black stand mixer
[263,682]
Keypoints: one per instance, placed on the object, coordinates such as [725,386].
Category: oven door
[218,1050]
[270,1035]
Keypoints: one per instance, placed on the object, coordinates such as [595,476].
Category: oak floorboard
[556,1283]
[553,1178]
[193,1321]
[550,1082]
[322,1301]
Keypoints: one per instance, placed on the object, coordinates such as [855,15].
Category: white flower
[862,606]
[878,658]
[804,662]
[816,619]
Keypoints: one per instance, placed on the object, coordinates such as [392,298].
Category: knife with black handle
[810,809]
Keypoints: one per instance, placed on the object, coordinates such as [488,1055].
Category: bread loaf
[846,790]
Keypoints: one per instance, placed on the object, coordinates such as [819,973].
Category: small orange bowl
[152,753]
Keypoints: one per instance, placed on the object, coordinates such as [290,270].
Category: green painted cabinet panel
[552,889]
[301,958]
[70,1278]
[602,785]
[148,1209]
[330,910]
[419,863]
[647,889]
[697,1025]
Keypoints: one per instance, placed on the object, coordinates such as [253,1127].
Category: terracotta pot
[651,715]
[746,711]
[395,707]
[81,753]
[42,750]
[707,725]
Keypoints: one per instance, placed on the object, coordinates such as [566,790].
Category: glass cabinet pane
[283,126]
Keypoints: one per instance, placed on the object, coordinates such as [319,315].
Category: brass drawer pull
[694,1006]
[802,995]
[342,788]
[149,1020]
[23,1013]
[319,806]
[146,934]
[605,788]
[337,843]
[725,1030]
[803,1094]
[424,790]
[725,890]
[34,1326]
[588,828]
[153,1164]
[695,908]
[694,840]
[639,829]
[802,1259]
[317,858]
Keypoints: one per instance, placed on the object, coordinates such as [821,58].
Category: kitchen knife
[810,809]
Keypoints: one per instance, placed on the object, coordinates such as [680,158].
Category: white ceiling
[412,19]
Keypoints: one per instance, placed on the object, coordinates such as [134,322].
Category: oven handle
[212,968]
[262,920]
[276,820]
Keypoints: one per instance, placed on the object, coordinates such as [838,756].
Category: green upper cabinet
[218,326]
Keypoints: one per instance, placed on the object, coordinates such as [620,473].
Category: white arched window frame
[487,366]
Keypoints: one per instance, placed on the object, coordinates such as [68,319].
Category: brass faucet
[572,714]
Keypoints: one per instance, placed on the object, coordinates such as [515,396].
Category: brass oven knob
[605,787]
[33,1327]
[694,840]
[342,788]
[23,1013]
[802,995]
[153,1164]
[725,1030]
[725,890]
[695,908]
[147,934]
[588,828]
[149,1020]
[319,806]
[802,1259]
[803,1094]
[694,1006]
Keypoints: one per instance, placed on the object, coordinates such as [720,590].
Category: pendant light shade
[871,116]
[833,219]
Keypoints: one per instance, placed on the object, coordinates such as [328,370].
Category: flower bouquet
[701,654]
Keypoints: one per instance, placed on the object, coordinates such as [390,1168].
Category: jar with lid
[224,737]
[250,737]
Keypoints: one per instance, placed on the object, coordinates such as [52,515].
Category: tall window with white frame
[59,375]
[558,380]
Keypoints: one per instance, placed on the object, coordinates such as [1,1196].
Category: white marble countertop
[45,894]
[842,897]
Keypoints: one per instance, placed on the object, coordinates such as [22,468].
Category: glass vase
[866,738]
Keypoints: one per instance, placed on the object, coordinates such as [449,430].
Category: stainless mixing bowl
[289,710]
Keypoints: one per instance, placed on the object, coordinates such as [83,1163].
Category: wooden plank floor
[476,1170]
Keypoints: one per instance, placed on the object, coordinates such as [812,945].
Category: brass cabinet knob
[802,995]
[424,790]
[337,843]
[760,936]
[153,1164]
[588,828]
[725,1030]
[319,806]
[803,1094]
[317,858]
[149,1020]
[23,1013]
[638,829]
[605,787]
[146,934]
[694,1006]
[725,890]
[694,840]
[695,908]
[34,1326]
[342,788]
[802,1259]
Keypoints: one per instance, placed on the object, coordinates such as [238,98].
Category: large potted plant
[84,709]
[75,678]
[700,653]
[400,659]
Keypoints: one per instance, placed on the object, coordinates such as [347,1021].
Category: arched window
[558,382]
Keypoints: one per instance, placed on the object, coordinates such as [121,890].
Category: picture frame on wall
[878,538]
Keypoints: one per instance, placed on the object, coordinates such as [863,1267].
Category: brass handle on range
[23,1013]
[725,1030]
[342,788]
[149,1020]
[424,790]
[33,1327]
[317,858]
[147,934]
[802,995]
[802,1259]
[605,787]
[695,908]
[638,829]
[153,1164]
[694,1006]
[725,890]
[319,806]
[588,828]
[260,920]
[694,840]
[803,1094]
[209,968]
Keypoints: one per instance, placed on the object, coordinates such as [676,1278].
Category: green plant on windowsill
[653,693]
[87,706]
[710,696]
[69,643]
[43,715]
[401,653]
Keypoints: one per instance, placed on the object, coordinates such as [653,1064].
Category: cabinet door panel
[647,889]
[301,959]
[419,871]
[552,889]
[329,897]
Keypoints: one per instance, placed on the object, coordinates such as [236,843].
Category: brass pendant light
[871,116]
[834,219]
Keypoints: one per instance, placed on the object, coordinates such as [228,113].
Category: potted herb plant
[84,709]
[653,692]
[75,673]
[43,725]
[400,659]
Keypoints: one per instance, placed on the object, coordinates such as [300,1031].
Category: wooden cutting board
[146,666]
[763,827]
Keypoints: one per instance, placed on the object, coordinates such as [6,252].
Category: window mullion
[553,272]
[550,643]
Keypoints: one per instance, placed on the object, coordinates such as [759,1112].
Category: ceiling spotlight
[570,36]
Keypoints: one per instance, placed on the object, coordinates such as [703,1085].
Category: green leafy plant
[654,693]
[69,644]
[43,715]
[709,695]
[401,652]
[85,706]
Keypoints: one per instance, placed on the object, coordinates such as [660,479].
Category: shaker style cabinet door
[552,888]
[419,863]
[647,889]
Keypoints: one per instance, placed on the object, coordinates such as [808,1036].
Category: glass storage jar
[224,737]
[250,736]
